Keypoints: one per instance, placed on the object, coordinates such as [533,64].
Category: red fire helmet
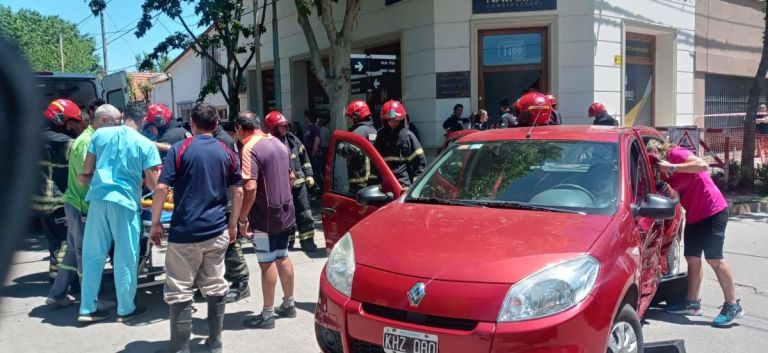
[275,119]
[358,110]
[393,109]
[533,109]
[597,109]
[61,110]
[158,114]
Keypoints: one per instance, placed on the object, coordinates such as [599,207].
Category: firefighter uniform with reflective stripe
[403,153]
[48,200]
[358,165]
[302,168]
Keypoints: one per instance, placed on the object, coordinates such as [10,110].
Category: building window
[512,61]
[726,95]
[209,66]
[184,110]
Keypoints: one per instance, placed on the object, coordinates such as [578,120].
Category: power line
[124,40]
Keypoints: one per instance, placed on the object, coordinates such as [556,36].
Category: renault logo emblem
[416,294]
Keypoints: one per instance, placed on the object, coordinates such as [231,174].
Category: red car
[553,242]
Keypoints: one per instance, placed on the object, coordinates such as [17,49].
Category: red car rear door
[340,210]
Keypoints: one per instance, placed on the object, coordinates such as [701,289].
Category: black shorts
[270,247]
[707,236]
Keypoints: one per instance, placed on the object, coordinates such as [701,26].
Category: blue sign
[496,6]
[512,49]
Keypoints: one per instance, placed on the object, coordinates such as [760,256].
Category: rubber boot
[181,327]
[216,307]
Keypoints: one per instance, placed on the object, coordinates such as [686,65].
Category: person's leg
[725,278]
[236,272]
[55,228]
[68,268]
[695,277]
[126,227]
[96,242]
[268,283]
[713,252]
[181,264]
[210,279]
[692,251]
[304,221]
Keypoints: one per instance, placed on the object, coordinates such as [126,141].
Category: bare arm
[162,147]
[692,165]
[238,196]
[158,199]
[249,197]
[150,177]
[88,167]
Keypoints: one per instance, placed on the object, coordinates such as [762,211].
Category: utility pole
[61,51]
[276,57]
[256,98]
[103,42]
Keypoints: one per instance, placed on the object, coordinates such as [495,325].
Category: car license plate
[404,341]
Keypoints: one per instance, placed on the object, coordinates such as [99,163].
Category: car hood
[471,244]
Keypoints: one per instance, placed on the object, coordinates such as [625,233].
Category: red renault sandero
[545,240]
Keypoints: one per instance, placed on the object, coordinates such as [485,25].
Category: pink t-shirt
[698,193]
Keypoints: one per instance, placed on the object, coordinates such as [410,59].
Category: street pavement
[27,325]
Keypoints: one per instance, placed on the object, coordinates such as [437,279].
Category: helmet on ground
[61,110]
[158,114]
[533,109]
[358,110]
[393,109]
[552,99]
[275,119]
[597,109]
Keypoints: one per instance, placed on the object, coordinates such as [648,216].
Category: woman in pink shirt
[706,216]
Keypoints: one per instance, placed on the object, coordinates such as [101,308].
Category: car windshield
[543,175]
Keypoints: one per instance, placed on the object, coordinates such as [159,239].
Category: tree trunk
[257,97]
[755,92]
[339,85]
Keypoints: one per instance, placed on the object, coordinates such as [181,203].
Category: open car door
[116,89]
[353,167]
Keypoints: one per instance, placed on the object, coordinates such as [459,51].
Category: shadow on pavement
[28,286]
[34,242]
[145,347]
[306,306]
[657,314]
[232,322]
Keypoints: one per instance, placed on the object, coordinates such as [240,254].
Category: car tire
[626,335]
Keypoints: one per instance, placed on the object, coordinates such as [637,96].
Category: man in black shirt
[455,122]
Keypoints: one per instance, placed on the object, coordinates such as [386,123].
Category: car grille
[365,347]
[420,319]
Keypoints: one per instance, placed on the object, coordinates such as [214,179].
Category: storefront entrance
[511,62]
[639,80]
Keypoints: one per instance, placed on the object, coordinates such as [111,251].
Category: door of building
[640,51]
[511,62]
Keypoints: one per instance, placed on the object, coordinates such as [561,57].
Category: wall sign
[452,84]
[638,48]
[618,60]
[496,6]
[512,49]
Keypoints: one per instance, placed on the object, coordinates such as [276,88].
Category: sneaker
[139,311]
[237,293]
[308,245]
[688,307]
[60,303]
[728,314]
[96,316]
[284,311]
[259,322]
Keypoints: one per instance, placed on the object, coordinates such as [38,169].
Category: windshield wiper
[434,200]
[527,206]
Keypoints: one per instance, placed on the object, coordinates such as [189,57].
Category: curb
[740,208]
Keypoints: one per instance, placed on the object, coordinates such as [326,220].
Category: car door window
[638,172]
[352,170]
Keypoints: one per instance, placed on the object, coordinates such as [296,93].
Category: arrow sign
[359,66]
[376,84]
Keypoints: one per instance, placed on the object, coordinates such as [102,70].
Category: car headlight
[340,268]
[551,290]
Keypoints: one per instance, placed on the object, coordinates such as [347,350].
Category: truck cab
[82,88]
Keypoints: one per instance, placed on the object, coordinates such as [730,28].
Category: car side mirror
[656,207]
[374,196]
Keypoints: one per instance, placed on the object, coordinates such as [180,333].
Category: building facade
[635,56]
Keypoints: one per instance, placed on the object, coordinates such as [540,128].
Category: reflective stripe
[415,154]
[49,164]
[298,182]
[307,165]
[293,156]
[307,235]
[363,179]
[394,159]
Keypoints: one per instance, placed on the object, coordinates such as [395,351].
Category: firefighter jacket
[403,153]
[53,172]
[358,165]
[300,162]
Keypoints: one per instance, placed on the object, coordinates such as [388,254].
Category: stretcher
[151,271]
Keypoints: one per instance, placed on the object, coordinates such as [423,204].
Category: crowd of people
[249,179]
[508,116]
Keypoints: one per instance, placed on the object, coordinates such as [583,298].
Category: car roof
[550,132]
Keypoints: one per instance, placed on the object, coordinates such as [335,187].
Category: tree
[225,31]
[158,65]
[335,78]
[38,38]
[748,150]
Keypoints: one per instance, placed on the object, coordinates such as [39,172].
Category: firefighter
[360,121]
[399,146]
[555,118]
[168,131]
[533,109]
[276,124]
[62,116]
[600,114]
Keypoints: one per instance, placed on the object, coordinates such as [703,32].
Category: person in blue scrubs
[118,157]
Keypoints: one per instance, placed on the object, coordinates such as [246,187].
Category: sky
[119,23]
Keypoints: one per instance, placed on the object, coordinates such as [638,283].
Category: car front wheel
[626,333]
